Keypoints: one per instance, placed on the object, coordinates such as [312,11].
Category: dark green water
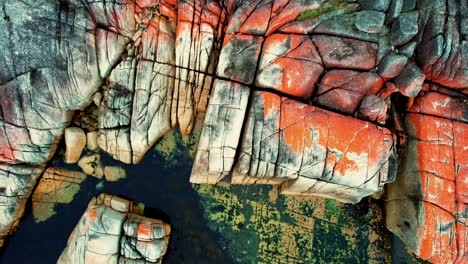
[167,194]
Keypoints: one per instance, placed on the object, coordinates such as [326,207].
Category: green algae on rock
[57,186]
[293,229]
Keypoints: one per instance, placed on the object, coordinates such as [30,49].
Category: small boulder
[404,28]
[370,21]
[410,80]
[394,11]
[75,141]
[91,140]
[114,173]
[391,65]
[92,165]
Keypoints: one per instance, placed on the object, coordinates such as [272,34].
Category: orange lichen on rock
[434,179]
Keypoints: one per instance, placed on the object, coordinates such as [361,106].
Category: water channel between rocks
[218,224]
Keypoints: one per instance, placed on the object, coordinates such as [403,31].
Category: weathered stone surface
[379,5]
[394,10]
[373,108]
[443,50]
[391,65]
[239,57]
[426,205]
[405,28]
[75,141]
[195,56]
[111,231]
[17,182]
[56,186]
[410,80]
[221,132]
[343,90]
[114,173]
[92,165]
[346,53]
[370,21]
[91,140]
[290,64]
[286,140]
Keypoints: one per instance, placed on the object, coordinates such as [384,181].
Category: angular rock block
[221,132]
[290,64]
[343,90]
[112,231]
[426,204]
[199,23]
[286,140]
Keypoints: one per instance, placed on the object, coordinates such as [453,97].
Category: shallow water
[220,224]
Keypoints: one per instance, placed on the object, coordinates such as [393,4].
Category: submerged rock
[114,173]
[112,231]
[57,186]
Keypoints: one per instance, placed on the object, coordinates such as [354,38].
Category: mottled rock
[408,5]
[373,108]
[343,25]
[92,165]
[239,57]
[56,186]
[443,50]
[405,28]
[111,231]
[379,5]
[410,80]
[221,132]
[394,10]
[346,53]
[370,21]
[91,140]
[343,90]
[285,140]
[75,141]
[114,173]
[391,65]
[408,49]
[426,204]
[290,64]
[17,183]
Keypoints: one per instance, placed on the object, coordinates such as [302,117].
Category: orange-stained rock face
[307,94]
[434,178]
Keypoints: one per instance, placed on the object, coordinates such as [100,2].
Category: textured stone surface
[370,21]
[141,68]
[75,141]
[112,230]
[56,186]
[426,205]
[405,28]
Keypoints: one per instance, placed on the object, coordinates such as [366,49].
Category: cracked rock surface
[112,230]
[321,97]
